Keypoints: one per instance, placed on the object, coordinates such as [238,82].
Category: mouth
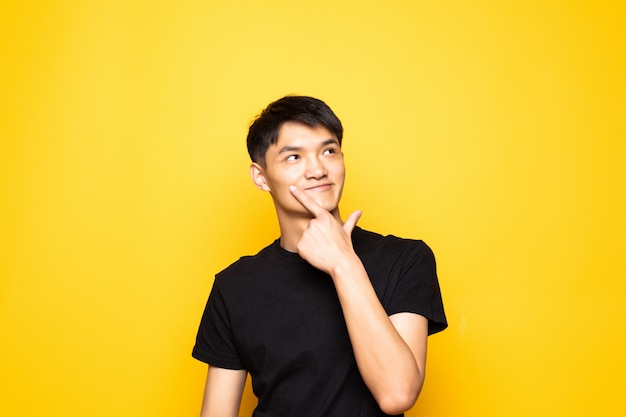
[320,187]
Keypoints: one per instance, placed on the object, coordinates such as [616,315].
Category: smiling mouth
[321,187]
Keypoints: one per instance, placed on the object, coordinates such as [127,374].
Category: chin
[329,207]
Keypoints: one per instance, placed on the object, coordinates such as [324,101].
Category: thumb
[351,221]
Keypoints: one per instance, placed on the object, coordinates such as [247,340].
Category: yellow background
[492,130]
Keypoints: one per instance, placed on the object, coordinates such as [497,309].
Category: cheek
[339,172]
[289,174]
[282,179]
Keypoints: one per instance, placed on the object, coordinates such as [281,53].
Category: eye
[293,157]
[330,151]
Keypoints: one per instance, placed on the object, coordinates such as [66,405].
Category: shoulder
[248,265]
[392,256]
[369,243]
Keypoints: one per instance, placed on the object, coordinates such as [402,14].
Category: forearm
[387,364]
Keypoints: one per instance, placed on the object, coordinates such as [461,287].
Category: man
[330,319]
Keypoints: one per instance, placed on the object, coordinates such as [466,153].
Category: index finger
[306,201]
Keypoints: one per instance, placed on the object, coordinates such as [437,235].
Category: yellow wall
[493,130]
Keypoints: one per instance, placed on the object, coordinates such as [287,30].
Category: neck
[292,227]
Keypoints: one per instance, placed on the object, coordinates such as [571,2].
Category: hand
[326,242]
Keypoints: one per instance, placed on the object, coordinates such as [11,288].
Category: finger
[351,221]
[306,201]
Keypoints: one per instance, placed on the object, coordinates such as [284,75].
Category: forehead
[298,134]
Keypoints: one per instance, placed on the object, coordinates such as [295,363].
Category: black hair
[309,111]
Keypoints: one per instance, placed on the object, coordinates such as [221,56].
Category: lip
[320,187]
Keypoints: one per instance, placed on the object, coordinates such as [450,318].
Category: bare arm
[390,351]
[222,392]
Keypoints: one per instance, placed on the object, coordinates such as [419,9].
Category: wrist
[346,266]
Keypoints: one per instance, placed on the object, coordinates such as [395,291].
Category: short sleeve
[417,288]
[214,341]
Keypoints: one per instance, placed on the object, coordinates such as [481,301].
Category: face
[309,158]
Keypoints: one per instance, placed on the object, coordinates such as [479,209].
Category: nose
[315,169]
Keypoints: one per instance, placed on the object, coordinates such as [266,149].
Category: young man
[329,319]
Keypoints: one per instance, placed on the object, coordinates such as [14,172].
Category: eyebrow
[331,141]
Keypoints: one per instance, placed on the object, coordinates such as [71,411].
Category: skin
[309,158]
[304,173]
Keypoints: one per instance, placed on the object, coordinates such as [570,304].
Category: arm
[390,351]
[222,392]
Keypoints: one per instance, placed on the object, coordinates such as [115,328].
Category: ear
[258,177]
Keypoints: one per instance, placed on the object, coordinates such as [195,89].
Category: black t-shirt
[279,318]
